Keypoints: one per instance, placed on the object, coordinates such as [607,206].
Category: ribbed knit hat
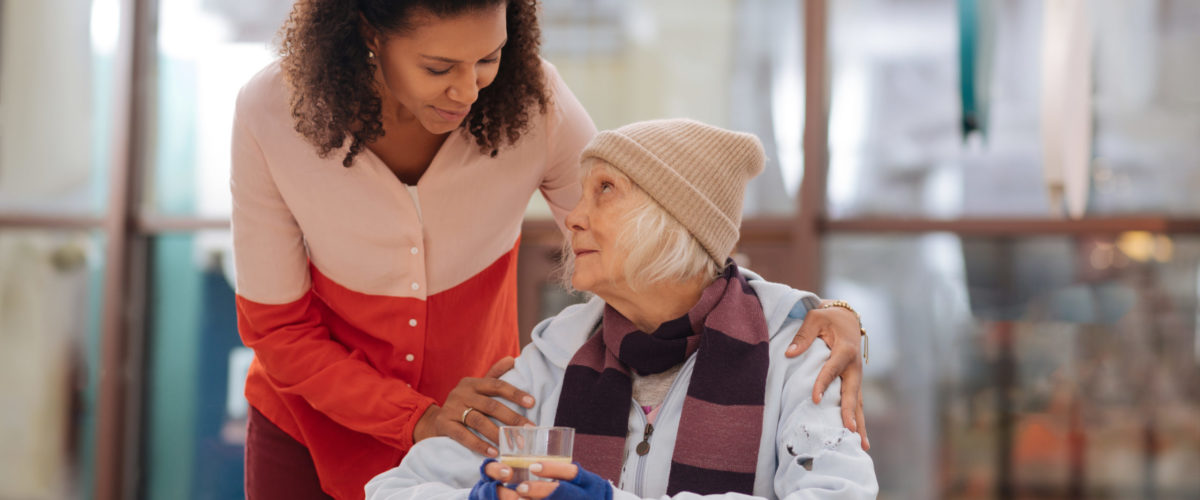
[697,172]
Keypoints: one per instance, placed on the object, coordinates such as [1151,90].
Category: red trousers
[277,466]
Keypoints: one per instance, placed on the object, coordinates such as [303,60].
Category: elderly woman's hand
[572,483]
[840,329]
[470,404]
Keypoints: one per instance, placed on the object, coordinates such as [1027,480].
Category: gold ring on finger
[465,413]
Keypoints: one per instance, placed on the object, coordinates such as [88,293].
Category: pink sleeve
[569,131]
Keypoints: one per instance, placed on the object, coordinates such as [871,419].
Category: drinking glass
[521,447]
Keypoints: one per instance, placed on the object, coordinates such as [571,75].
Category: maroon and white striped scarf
[716,450]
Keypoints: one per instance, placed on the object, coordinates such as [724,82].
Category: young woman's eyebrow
[456,61]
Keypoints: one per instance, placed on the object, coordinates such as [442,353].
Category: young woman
[381,170]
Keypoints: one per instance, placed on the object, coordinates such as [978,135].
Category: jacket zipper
[647,433]
[641,465]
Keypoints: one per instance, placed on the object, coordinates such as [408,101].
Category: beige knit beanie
[697,172]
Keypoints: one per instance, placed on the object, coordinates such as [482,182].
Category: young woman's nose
[465,89]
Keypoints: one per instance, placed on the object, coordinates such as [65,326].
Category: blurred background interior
[1006,190]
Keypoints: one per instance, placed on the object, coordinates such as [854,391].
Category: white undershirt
[412,190]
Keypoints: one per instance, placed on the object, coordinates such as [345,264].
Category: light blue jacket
[797,435]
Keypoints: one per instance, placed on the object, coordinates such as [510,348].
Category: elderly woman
[674,374]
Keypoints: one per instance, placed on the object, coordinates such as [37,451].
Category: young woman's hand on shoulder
[472,406]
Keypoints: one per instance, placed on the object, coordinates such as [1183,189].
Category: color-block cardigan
[366,300]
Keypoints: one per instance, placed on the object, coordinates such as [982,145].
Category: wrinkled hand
[839,329]
[573,483]
[476,393]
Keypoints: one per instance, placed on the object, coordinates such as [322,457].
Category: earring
[370,54]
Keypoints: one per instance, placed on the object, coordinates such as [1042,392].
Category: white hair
[659,248]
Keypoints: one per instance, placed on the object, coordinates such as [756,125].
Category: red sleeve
[301,359]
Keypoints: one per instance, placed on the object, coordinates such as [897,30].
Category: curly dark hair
[332,80]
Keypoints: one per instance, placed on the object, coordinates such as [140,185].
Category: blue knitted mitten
[585,486]
[485,489]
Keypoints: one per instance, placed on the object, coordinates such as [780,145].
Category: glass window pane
[897,143]
[626,61]
[50,298]
[1044,367]
[57,63]
[207,49]
[896,146]
[196,413]
[1146,107]
[737,65]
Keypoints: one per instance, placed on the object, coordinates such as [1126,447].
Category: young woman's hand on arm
[841,330]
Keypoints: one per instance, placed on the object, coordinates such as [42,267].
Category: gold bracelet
[862,331]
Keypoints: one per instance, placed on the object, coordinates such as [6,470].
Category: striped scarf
[716,450]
